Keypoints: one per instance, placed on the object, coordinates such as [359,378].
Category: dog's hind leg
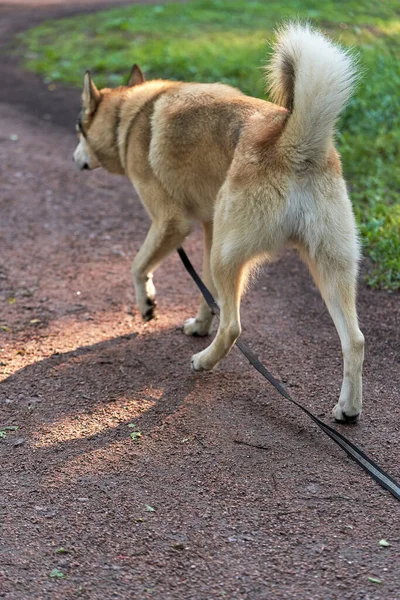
[336,280]
[201,324]
[163,237]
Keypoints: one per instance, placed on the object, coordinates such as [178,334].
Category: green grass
[227,41]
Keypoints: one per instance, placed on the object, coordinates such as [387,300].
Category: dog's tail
[313,79]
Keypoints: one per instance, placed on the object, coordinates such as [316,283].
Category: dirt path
[293,519]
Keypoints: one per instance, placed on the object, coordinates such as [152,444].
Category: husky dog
[257,175]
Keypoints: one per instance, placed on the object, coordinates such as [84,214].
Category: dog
[257,175]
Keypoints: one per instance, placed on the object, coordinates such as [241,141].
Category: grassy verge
[220,40]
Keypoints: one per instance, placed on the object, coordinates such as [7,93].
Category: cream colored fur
[258,176]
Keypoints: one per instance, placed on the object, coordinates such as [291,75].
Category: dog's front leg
[163,237]
[229,280]
[201,324]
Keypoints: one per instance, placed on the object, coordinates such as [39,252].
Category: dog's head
[97,124]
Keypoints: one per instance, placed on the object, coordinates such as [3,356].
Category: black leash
[355,453]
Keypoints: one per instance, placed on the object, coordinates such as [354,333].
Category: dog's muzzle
[81,157]
[81,167]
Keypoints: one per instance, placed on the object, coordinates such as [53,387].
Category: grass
[227,41]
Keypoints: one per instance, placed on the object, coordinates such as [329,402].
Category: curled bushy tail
[313,79]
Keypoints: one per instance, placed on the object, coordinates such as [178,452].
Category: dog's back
[186,134]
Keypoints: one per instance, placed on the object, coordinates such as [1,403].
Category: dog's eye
[79,127]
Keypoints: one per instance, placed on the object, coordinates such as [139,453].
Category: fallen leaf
[149,508]
[384,543]
[374,580]
[3,430]
[57,573]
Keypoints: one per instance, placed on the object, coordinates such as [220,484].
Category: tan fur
[251,172]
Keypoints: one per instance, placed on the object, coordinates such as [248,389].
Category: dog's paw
[343,416]
[145,298]
[199,362]
[149,312]
[197,328]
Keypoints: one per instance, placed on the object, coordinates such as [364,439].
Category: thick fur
[257,175]
[314,80]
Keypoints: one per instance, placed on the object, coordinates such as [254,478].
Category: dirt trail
[229,492]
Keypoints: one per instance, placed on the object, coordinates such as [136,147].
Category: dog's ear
[136,77]
[90,94]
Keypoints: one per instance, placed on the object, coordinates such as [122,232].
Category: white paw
[342,415]
[197,328]
[199,361]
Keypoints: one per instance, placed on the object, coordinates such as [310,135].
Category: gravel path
[229,492]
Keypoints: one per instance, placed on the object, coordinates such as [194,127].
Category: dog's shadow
[78,411]
[95,391]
